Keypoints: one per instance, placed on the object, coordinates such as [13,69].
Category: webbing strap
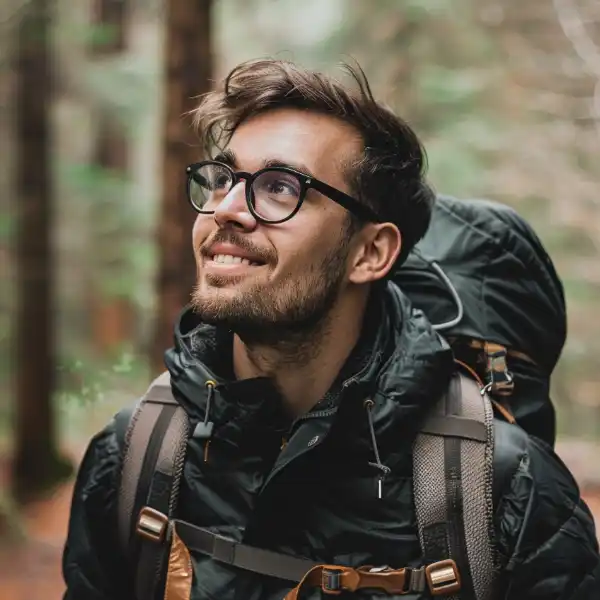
[225,550]
[459,454]
[155,446]
[452,426]
[441,578]
[454,494]
[145,555]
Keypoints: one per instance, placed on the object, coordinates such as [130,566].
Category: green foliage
[101,35]
[8,224]
[118,225]
[571,240]
[581,291]
[84,383]
[94,183]
[91,391]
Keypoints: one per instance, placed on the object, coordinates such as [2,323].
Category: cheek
[200,230]
[306,246]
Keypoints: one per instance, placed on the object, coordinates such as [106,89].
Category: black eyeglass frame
[306,182]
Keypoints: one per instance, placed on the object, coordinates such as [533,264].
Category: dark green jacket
[317,497]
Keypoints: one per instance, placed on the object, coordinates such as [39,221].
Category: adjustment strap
[225,550]
[441,578]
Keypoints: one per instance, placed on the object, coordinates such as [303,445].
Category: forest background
[95,258]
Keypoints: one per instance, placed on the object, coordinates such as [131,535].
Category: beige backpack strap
[453,475]
[154,453]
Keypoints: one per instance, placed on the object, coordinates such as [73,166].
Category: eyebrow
[229,158]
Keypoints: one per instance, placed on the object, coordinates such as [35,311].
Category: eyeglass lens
[275,194]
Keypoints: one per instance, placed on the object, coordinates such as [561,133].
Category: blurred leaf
[441,86]
[101,35]
[8,225]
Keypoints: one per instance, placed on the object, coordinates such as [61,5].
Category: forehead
[320,142]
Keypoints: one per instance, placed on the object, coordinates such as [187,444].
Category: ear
[378,247]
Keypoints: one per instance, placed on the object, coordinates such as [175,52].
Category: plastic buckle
[443,578]
[152,524]
[499,379]
[331,581]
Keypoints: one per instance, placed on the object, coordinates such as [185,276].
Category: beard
[280,313]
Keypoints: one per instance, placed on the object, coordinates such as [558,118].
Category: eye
[275,184]
[279,186]
[221,180]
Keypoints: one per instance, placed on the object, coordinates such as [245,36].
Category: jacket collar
[400,361]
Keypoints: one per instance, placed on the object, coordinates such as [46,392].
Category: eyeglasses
[273,195]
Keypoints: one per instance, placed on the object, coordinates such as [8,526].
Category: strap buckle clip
[331,581]
[152,524]
[443,578]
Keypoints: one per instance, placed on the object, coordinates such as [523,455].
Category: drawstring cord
[210,384]
[204,429]
[383,470]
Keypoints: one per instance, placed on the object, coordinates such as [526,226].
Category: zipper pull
[204,429]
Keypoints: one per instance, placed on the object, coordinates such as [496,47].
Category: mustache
[231,237]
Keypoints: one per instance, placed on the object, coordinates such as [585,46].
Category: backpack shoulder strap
[153,454]
[453,452]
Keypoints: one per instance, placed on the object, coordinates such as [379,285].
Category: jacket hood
[408,367]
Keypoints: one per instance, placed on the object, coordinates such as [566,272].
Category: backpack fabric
[511,318]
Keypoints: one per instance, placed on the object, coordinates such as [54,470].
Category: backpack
[468,244]
[484,280]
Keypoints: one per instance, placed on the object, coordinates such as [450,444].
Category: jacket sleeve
[93,563]
[547,531]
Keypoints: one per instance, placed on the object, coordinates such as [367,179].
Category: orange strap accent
[504,412]
[469,370]
[178,584]
[350,580]
[483,345]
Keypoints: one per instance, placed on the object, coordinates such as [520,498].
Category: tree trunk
[111,312]
[36,460]
[188,73]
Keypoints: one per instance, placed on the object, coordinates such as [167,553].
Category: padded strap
[455,449]
[154,454]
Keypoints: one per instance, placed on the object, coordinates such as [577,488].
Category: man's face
[294,271]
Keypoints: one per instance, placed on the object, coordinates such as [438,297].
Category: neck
[304,366]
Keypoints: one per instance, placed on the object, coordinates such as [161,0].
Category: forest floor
[31,569]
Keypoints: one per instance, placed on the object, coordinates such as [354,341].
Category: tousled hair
[389,176]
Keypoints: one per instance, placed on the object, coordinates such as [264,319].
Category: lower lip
[228,268]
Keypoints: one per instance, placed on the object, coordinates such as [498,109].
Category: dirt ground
[32,570]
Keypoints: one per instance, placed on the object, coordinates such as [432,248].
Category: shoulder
[99,471]
[537,500]
[519,456]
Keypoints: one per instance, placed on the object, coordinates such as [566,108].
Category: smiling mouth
[228,259]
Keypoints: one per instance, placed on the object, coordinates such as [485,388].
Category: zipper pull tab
[380,487]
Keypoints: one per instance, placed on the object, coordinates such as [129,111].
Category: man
[305,375]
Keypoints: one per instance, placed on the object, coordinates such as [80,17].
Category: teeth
[227,259]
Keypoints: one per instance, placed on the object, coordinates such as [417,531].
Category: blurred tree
[111,308]
[188,50]
[37,463]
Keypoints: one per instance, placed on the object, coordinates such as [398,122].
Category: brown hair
[390,175]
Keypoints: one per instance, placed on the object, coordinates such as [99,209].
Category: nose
[233,209]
